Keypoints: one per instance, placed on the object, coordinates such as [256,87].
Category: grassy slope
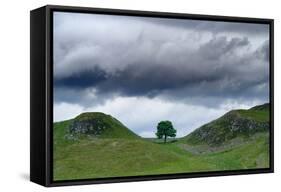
[220,126]
[94,158]
[115,129]
[257,115]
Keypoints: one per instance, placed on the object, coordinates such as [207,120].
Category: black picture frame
[41,94]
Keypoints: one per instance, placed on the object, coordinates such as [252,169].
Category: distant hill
[100,125]
[261,107]
[235,123]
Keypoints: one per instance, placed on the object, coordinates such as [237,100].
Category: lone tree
[165,129]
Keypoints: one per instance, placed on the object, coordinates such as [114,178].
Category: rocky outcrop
[239,124]
[227,127]
[97,124]
[91,127]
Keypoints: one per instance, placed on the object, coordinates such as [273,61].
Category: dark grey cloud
[100,57]
[252,29]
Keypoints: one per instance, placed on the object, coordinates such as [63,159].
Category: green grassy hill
[106,155]
[81,152]
[97,124]
[236,123]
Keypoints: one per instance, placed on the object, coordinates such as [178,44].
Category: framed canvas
[123,95]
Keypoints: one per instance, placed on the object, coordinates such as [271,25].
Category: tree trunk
[165,138]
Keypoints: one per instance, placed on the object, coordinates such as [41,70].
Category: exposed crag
[99,125]
[234,123]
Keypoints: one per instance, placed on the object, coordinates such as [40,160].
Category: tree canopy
[165,129]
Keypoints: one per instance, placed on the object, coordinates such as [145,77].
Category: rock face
[97,124]
[91,127]
[234,123]
[93,124]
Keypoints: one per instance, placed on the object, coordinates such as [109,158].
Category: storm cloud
[101,58]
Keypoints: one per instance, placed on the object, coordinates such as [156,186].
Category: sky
[143,70]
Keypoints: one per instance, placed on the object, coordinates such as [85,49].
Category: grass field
[111,157]
[237,140]
[257,115]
